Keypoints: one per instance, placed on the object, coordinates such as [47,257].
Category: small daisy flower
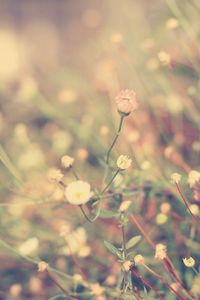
[161,251]
[67,161]
[78,192]
[126,102]
[138,259]
[55,175]
[193,177]
[124,162]
[175,178]
[189,262]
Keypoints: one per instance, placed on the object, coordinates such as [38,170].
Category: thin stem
[57,283]
[124,241]
[124,254]
[145,282]
[186,203]
[74,173]
[109,183]
[164,281]
[100,199]
[77,264]
[147,238]
[115,139]
[85,215]
[151,243]
[32,260]
[168,265]
[195,271]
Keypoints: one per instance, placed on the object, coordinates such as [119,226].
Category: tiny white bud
[175,178]
[67,161]
[124,162]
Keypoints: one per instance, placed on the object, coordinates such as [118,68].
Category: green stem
[32,260]
[195,271]
[57,283]
[100,199]
[115,139]
[109,183]
[74,173]
[186,203]
[86,216]
[124,281]
[124,241]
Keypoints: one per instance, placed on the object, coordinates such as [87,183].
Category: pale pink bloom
[126,102]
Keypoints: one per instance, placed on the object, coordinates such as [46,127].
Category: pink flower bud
[126,102]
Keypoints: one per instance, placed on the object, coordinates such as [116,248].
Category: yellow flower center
[78,194]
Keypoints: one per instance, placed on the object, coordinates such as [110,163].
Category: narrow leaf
[106,214]
[133,241]
[112,249]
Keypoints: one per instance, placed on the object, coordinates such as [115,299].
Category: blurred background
[61,65]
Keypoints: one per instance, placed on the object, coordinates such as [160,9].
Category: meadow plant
[137,274]
[100,187]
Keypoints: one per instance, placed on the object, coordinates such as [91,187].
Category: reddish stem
[147,283]
[186,203]
[164,281]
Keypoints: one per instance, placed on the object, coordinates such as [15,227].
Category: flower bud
[161,251]
[124,162]
[126,102]
[139,259]
[67,161]
[124,206]
[175,178]
[189,262]
[194,177]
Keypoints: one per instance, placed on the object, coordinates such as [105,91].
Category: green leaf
[112,249]
[133,241]
[106,214]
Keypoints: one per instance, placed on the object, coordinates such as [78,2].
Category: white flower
[161,251]
[76,243]
[189,262]
[67,161]
[78,192]
[29,246]
[194,177]
[139,259]
[124,162]
[55,175]
[175,178]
